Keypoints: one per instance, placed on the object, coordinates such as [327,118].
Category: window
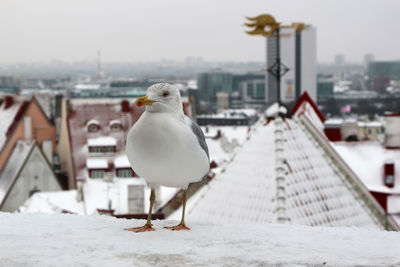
[92,128]
[115,127]
[102,149]
[124,173]
[109,149]
[260,92]
[97,174]
[389,180]
[250,89]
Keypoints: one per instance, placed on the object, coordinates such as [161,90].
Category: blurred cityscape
[331,133]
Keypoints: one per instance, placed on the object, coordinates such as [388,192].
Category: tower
[290,56]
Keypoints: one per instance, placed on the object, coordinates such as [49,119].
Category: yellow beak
[144,100]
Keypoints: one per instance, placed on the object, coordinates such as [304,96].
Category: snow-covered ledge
[72,240]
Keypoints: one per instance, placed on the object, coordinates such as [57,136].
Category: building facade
[298,55]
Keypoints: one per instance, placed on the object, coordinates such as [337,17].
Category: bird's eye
[165,94]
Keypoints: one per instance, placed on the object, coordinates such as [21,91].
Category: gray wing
[200,137]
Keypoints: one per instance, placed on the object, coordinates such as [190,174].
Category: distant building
[243,90]
[390,69]
[339,59]
[229,117]
[368,58]
[352,130]
[298,54]
[211,83]
[23,119]
[325,86]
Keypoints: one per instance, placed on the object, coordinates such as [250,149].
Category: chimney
[388,173]
[9,101]
[125,106]
[28,128]
[392,130]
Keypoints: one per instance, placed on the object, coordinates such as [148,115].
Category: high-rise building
[368,58]
[211,83]
[298,55]
[339,59]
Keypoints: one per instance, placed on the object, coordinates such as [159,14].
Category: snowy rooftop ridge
[71,240]
[288,172]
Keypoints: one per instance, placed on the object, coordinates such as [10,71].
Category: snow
[93,122]
[367,159]
[393,204]
[102,141]
[122,162]
[7,116]
[92,163]
[112,122]
[274,109]
[53,202]
[97,195]
[72,240]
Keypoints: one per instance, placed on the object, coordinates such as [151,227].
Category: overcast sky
[149,30]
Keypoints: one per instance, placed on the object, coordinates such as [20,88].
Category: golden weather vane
[261,23]
[265,21]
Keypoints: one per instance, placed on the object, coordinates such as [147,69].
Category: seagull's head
[161,97]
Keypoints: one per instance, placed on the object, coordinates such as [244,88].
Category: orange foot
[144,228]
[179,227]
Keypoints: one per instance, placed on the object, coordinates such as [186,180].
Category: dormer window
[388,173]
[93,126]
[104,144]
[115,125]
[97,167]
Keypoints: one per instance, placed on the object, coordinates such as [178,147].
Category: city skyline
[123,31]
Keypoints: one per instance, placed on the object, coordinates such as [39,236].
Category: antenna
[98,64]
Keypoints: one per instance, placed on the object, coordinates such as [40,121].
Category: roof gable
[281,175]
[305,98]
[19,157]
[13,167]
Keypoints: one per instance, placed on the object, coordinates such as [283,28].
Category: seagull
[165,147]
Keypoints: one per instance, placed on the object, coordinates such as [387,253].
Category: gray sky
[149,30]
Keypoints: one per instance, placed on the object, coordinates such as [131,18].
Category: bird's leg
[181,225]
[148,226]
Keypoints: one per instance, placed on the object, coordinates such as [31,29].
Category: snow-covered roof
[87,86]
[102,141]
[274,110]
[71,240]
[122,162]
[53,202]
[96,163]
[115,122]
[367,159]
[13,166]
[370,124]
[281,174]
[7,115]
[96,122]
[334,122]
